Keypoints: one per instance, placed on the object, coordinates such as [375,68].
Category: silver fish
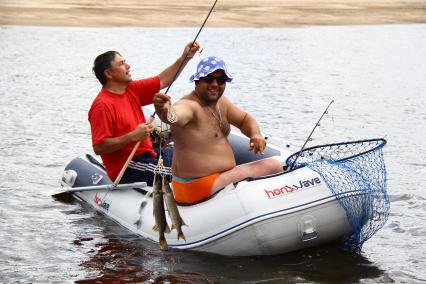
[177,221]
[159,214]
[138,222]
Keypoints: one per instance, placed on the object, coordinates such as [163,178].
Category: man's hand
[173,71]
[193,48]
[142,131]
[164,109]
[162,102]
[257,144]
[111,144]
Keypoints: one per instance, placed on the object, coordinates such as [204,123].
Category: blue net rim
[380,142]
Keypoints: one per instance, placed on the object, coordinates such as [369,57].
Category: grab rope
[355,173]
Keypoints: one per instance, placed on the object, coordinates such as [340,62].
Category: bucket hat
[207,66]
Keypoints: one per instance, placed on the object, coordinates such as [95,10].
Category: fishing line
[309,137]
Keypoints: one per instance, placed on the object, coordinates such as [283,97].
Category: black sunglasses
[219,79]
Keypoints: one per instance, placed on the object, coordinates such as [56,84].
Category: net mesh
[355,173]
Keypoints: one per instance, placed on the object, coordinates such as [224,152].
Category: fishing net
[355,173]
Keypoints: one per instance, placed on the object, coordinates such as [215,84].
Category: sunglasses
[219,79]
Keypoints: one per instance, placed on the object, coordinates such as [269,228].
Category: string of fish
[163,194]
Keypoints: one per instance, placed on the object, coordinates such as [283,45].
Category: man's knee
[275,165]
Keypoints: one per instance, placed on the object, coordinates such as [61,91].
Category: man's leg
[258,168]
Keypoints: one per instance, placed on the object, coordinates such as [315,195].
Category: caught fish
[138,222]
[159,214]
[177,221]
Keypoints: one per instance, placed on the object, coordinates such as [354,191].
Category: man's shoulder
[151,82]
[226,103]
[225,99]
[101,98]
[101,101]
[187,100]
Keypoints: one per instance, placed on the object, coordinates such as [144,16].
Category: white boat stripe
[149,167]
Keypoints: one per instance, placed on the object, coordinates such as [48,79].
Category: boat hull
[266,216]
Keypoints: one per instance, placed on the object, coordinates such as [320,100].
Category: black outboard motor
[81,172]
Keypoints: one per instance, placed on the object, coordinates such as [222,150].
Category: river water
[284,76]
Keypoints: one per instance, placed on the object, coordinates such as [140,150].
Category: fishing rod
[189,50]
[193,42]
[309,137]
[186,55]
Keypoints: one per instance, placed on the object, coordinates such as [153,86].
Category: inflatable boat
[319,200]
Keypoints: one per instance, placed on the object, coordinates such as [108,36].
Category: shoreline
[227,13]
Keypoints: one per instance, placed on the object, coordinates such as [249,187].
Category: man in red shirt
[116,118]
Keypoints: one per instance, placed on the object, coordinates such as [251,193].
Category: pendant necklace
[224,127]
[218,119]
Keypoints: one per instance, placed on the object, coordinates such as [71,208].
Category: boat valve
[308,232]
[309,235]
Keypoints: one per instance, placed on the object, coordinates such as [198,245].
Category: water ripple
[378,91]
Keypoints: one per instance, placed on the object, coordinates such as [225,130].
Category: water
[285,77]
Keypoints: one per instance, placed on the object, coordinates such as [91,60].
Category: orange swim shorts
[193,190]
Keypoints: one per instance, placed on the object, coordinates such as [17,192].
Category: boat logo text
[101,203]
[286,189]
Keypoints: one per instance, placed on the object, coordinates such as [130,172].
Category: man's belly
[192,164]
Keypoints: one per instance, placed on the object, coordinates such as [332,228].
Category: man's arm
[142,131]
[179,114]
[168,74]
[247,125]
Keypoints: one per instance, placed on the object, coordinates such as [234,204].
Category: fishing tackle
[309,137]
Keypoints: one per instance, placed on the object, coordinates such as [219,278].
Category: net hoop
[310,154]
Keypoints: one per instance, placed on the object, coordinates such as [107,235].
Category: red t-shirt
[113,115]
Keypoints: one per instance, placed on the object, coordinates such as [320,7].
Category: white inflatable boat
[263,216]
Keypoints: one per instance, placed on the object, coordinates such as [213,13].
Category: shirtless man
[203,161]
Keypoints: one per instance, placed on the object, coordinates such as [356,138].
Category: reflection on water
[285,77]
[127,258]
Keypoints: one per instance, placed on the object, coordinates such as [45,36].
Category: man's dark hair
[103,62]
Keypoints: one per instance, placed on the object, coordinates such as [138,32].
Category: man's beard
[209,100]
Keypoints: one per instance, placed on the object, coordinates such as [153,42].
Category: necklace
[218,119]
[223,125]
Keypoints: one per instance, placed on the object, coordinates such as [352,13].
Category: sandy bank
[228,13]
